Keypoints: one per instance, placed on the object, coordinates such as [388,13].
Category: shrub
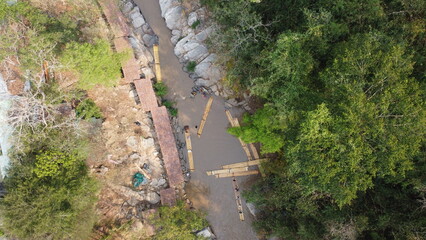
[160,89]
[88,109]
[169,105]
[178,223]
[191,66]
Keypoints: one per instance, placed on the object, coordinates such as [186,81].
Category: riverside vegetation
[50,193]
[343,87]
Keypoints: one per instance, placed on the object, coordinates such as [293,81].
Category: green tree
[52,163]
[178,223]
[95,63]
[264,127]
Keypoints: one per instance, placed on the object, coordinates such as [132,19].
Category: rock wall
[189,35]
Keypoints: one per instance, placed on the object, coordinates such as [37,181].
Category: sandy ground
[215,147]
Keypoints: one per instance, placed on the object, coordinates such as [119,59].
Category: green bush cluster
[190,67]
[88,109]
[160,89]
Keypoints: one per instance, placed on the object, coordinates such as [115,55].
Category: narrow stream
[5,128]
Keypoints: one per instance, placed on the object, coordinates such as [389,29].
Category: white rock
[153,198]
[175,18]
[147,143]
[232,101]
[132,142]
[161,181]
[138,22]
[192,18]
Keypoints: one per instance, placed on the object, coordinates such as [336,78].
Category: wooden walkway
[131,72]
[146,94]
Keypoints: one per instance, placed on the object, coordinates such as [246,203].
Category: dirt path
[214,149]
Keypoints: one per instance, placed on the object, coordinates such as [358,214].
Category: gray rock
[147,29]
[202,68]
[247,108]
[174,39]
[132,94]
[153,197]
[148,72]
[176,33]
[192,18]
[252,209]
[175,18]
[214,89]
[203,35]
[138,22]
[197,53]
[207,233]
[127,7]
[135,13]
[149,40]
[165,5]
[232,101]
[161,181]
[202,82]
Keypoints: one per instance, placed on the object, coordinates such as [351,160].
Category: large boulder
[138,22]
[175,18]
[196,54]
[165,5]
[206,233]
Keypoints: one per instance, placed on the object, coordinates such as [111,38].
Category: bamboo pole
[254,151]
[228,170]
[237,174]
[238,198]
[189,148]
[157,64]
[205,115]
[234,123]
[245,164]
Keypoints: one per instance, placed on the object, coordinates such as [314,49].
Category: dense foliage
[343,86]
[178,223]
[50,194]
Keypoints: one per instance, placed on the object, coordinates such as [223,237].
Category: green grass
[170,106]
[195,24]
[160,89]
[191,66]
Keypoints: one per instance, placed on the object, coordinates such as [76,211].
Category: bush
[178,223]
[160,89]
[96,63]
[191,66]
[88,109]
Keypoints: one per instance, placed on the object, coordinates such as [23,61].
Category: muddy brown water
[215,147]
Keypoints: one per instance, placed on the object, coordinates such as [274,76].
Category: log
[157,64]
[229,170]
[237,174]
[245,164]
[205,115]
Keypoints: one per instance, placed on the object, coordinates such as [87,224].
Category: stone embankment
[189,35]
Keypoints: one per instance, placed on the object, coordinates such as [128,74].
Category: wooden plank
[205,115]
[238,198]
[254,151]
[245,164]
[235,123]
[157,64]
[237,174]
[189,148]
[228,170]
